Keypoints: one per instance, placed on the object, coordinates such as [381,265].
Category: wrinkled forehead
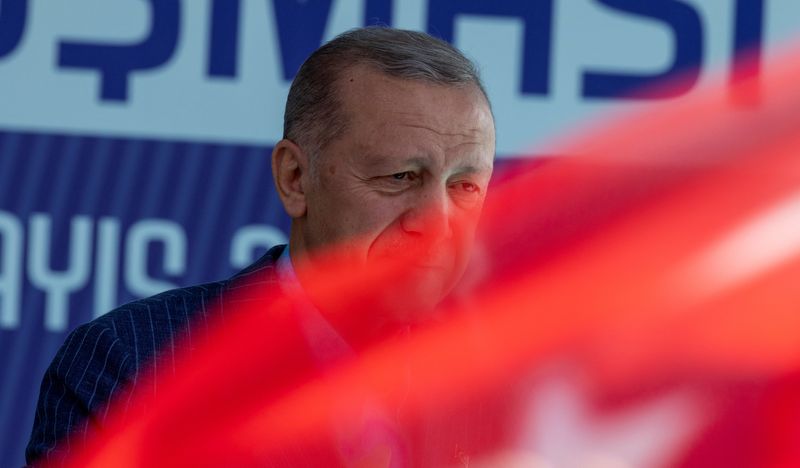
[400,117]
[366,92]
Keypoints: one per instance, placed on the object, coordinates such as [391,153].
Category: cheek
[342,208]
[465,223]
[464,230]
[372,223]
[387,238]
[462,245]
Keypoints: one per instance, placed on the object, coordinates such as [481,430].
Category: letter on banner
[116,62]
[10,269]
[106,264]
[59,285]
[223,46]
[249,238]
[12,24]
[538,17]
[687,29]
[300,26]
[137,245]
[747,39]
[378,12]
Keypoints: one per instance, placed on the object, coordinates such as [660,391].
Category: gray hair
[313,114]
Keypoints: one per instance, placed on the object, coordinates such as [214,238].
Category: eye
[467,187]
[407,175]
[403,178]
[398,181]
[466,194]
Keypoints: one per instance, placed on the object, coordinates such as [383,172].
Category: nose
[429,217]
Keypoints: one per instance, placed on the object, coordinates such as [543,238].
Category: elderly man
[387,150]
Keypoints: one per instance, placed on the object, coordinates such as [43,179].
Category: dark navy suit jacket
[101,358]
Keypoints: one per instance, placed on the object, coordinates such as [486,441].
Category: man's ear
[290,174]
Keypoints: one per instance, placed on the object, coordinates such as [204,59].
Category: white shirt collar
[325,342]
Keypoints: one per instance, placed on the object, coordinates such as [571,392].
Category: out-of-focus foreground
[634,305]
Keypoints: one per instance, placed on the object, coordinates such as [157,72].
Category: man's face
[409,175]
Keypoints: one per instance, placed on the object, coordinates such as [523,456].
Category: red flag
[637,306]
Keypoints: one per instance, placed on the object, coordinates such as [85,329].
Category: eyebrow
[472,169]
[378,159]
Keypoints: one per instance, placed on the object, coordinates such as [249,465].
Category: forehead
[388,115]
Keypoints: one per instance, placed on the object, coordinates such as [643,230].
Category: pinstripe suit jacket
[104,356]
